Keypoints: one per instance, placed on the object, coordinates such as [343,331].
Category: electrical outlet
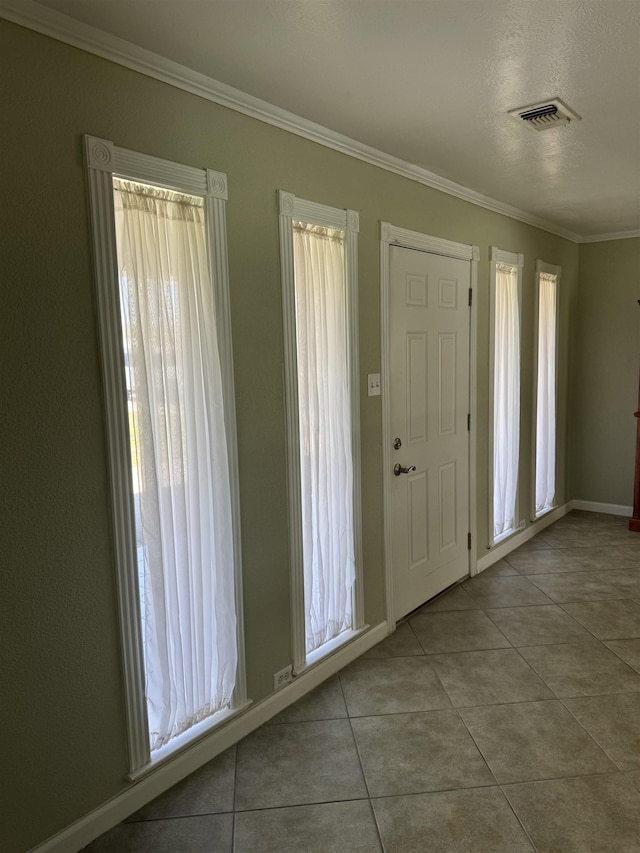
[283,677]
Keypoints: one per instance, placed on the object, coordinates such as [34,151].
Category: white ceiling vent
[545,115]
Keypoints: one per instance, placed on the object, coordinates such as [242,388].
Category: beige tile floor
[502,717]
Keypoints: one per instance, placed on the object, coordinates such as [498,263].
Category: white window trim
[289,208]
[550,269]
[512,259]
[103,161]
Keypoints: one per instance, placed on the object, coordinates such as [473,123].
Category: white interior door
[429,403]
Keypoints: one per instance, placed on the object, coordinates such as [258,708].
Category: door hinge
[469,422]
[468,541]
[470,297]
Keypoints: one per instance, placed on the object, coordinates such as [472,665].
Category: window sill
[506,535]
[187,740]
[544,512]
[330,647]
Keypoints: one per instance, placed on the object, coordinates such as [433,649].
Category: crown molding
[619,235]
[63,28]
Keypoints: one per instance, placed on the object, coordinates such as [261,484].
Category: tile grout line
[498,783]
[417,638]
[517,817]
[593,737]
[605,643]
[364,775]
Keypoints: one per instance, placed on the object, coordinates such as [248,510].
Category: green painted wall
[64,749]
[606,390]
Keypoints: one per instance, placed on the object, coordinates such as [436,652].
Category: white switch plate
[374,384]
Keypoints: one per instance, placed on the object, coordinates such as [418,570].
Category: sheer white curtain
[325,432]
[546,394]
[179,457]
[506,399]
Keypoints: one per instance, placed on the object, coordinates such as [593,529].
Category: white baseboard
[523,536]
[609,509]
[503,548]
[147,788]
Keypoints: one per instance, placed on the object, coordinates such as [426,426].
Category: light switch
[374,384]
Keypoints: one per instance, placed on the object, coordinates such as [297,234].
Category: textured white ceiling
[430,82]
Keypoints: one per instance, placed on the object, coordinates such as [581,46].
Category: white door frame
[391,235]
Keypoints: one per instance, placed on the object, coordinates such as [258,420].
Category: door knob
[398,469]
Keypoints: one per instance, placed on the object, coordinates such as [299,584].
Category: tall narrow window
[166,359]
[545,459]
[505,437]
[324,412]
[180,470]
[319,295]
